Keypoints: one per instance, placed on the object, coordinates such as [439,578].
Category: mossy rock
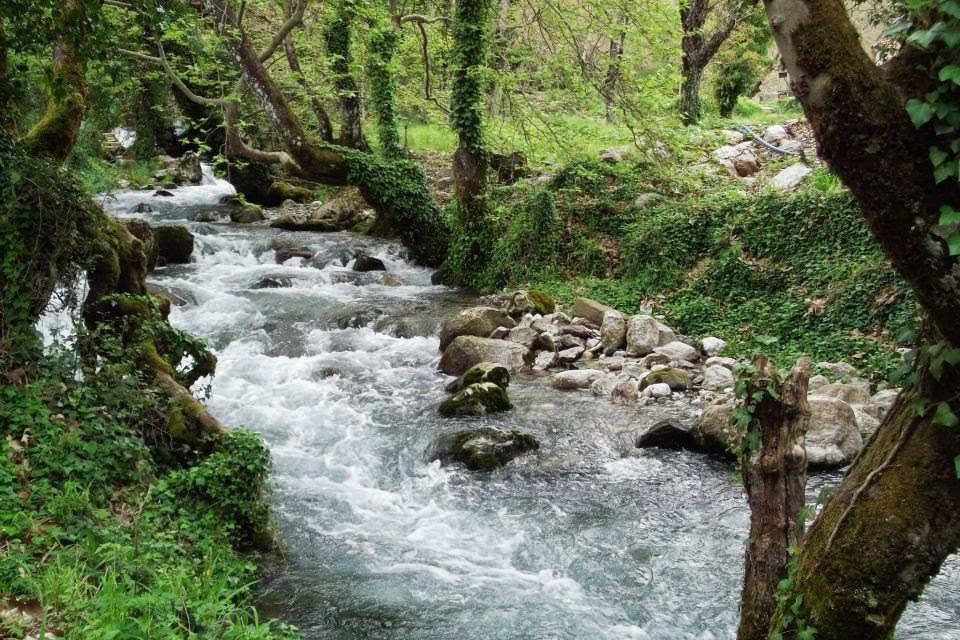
[476,399]
[483,449]
[280,191]
[483,372]
[174,244]
[247,213]
[530,301]
[142,231]
[676,379]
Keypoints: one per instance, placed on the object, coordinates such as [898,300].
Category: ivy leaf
[949,215]
[945,416]
[919,112]
[951,8]
[950,72]
[937,155]
[956,465]
[953,243]
[920,406]
[943,172]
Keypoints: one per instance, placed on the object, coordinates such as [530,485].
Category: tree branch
[181,86]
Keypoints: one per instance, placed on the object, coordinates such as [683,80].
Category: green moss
[281,190]
[476,399]
[174,243]
[676,379]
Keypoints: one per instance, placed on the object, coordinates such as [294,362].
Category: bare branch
[184,89]
[295,20]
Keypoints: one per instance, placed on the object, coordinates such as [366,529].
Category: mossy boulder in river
[475,321]
[476,400]
[142,231]
[483,372]
[531,301]
[280,191]
[484,448]
[676,379]
[174,244]
[466,351]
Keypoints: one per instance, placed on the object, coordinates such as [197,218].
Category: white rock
[717,378]
[666,334]
[713,346]
[575,378]
[678,351]
[732,137]
[726,152]
[816,382]
[833,438]
[658,390]
[721,361]
[866,422]
[613,331]
[881,402]
[791,177]
[643,335]
[545,360]
[775,133]
[839,369]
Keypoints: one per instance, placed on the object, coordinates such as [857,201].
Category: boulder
[483,372]
[851,394]
[666,334]
[392,280]
[575,378]
[143,207]
[677,350]
[717,378]
[162,193]
[613,331]
[838,369]
[590,310]
[867,423]
[833,438]
[523,335]
[881,402]
[475,321]
[530,301]
[674,378]
[483,449]
[615,155]
[545,360]
[791,177]
[775,133]
[746,164]
[174,244]
[570,355]
[363,263]
[713,346]
[643,335]
[466,351]
[625,392]
[729,363]
[666,434]
[284,253]
[713,432]
[269,282]
[816,382]
[280,191]
[657,390]
[476,399]
[247,214]
[188,169]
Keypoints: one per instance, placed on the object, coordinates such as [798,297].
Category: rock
[791,177]
[590,310]
[679,351]
[717,378]
[280,190]
[658,390]
[475,321]
[530,301]
[392,280]
[546,342]
[746,164]
[466,351]
[833,438]
[346,212]
[729,363]
[867,423]
[484,448]
[545,360]
[174,244]
[523,335]
[570,342]
[363,263]
[726,152]
[483,372]
[142,232]
[674,378]
[615,155]
[284,253]
[881,402]
[509,167]
[731,136]
[143,207]
[851,394]
[569,356]
[643,335]
[839,369]
[188,169]
[713,432]
[575,378]
[666,434]
[613,331]
[499,333]
[654,359]
[790,146]
[645,199]
[666,334]
[269,282]
[713,346]
[579,331]
[625,392]
[603,386]
[476,399]
[211,215]
[247,214]
[816,382]
[163,193]
[775,133]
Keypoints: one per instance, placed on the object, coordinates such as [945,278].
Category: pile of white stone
[742,156]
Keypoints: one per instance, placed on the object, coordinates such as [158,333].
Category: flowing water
[585,539]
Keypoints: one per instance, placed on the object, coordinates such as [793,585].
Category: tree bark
[698,49]
[293,61]
[339,36]
[691,108]
[775,478]
[612,79]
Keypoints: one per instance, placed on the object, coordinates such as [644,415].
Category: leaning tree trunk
[774,467]
[896,516]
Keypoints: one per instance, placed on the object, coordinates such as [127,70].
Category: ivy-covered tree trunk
[381,49]
[338,38]
[896,516]
[691,107]
[470,161]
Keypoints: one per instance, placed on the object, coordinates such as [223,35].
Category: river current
[586,539]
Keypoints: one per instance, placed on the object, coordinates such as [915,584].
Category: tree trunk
[611,81]
[691,108]
[339,36]
[500,62]
[382,48]
[775,478]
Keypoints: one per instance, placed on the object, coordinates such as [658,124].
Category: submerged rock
[174,244]
[483,449]
[475,321]
[666,434]
[467,351]
[575,378]
[476,399]
[364,263]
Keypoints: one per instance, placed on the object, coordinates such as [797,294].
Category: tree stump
[775,476]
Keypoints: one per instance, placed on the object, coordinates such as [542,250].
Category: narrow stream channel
[586,539]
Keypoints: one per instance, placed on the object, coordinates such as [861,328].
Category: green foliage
[742,63]
[471,28]
[381,51]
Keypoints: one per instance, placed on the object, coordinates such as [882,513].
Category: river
[586,539]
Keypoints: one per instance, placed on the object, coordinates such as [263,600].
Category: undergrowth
[800,268]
